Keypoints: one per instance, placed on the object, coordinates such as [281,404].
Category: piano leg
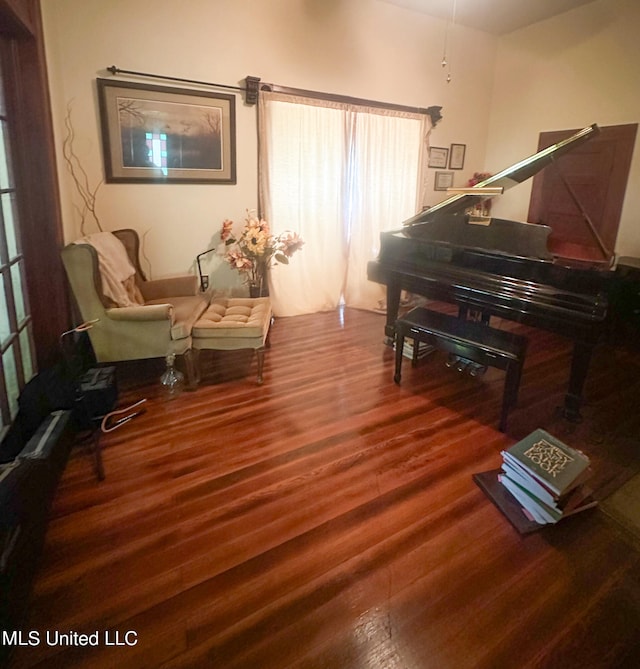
[579,368]
[393,306]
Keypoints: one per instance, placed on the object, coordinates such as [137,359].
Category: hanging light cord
[448,29]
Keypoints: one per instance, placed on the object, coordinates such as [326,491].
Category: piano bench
[470,340]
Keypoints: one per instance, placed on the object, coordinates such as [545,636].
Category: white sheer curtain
[338,175]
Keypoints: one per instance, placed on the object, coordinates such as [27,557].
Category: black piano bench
[468,339]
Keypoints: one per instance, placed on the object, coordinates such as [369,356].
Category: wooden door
[587,183]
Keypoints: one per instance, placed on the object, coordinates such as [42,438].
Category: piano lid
[507,178]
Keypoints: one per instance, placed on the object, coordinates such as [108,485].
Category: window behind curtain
[16,338]
[339,175]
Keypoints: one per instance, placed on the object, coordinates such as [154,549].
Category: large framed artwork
[161,134]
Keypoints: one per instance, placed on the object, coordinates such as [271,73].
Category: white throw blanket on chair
[115,268]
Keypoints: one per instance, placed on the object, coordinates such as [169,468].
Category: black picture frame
[443,180]
[438,157]
[162,134]
[456,156]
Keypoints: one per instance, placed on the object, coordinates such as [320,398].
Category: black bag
[97,393]
[73,384]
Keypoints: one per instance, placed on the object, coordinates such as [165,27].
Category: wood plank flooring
[328,519]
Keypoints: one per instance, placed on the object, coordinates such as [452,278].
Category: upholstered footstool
[230,324]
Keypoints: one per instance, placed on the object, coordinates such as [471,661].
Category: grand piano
[503,268]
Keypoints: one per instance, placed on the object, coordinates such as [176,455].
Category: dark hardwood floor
[329,518]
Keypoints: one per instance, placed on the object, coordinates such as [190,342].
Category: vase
[258,289]
[172,381]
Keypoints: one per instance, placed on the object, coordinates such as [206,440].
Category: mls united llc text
[56,638]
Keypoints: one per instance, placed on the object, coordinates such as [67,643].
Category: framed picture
[456,156]
[438,156]
[443,180]
[161,134]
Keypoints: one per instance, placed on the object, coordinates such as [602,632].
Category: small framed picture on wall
[456,156]
[443,181]
[438,157]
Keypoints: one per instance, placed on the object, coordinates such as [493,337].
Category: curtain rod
[250,88]
[433,112]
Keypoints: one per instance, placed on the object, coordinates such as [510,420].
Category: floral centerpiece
[483,208]
[256,249]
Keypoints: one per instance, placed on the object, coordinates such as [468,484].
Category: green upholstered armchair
[157,326]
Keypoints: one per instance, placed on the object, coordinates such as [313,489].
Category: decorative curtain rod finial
[251,90]
[434,114]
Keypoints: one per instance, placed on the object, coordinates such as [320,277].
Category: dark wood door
[587,184]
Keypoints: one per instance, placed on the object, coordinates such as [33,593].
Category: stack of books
[548,479]
[423,348]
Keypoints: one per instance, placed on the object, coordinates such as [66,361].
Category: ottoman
[229,324]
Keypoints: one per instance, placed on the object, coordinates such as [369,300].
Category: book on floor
[544,513]
[543,481]
[560,502]
[547,478]
[549,462]
[538,511]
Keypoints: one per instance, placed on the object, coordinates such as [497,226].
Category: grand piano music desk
[471,340]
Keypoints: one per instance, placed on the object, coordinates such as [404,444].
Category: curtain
[338,175]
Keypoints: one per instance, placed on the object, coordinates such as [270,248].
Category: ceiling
[498,17]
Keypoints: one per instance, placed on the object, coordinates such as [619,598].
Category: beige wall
[576,69]
[362,48]
[568,72]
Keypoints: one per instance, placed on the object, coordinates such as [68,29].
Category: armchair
[156,327]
